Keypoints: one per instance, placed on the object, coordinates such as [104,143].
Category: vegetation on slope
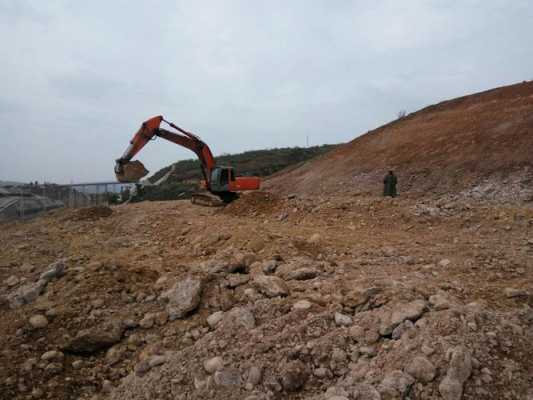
[183,180]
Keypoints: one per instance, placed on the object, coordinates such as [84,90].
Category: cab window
[224,177]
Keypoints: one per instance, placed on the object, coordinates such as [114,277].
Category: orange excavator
[220,183]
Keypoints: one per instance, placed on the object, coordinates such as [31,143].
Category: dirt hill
[480,142]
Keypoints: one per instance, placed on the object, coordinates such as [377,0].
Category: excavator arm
[148,131]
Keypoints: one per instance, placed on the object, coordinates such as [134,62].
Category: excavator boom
[128,172]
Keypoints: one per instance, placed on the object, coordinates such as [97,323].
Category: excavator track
[206,199]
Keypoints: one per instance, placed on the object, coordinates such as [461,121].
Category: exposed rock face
[96,338]
[183,298]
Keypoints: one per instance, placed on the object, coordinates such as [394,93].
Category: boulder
[294,376]
[53,355]
[364,391]
[241,317]
[302,305]
[451,387]
[183,298]
[38,321]
[439,302]
[27,293]
[342,319]
[395,385]
[12,281]
[421,369]
[255,374]
[213,364]
[271,286]
[228,377]
[402,312]
[513,292]
[215,318]
[301,274]
[55,270]
[96,338]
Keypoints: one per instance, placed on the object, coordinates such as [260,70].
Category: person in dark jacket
[389,185]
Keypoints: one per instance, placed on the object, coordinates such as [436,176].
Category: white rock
[156,360]
[444,262]
[439,302]
[215,318]
[213,364]
[302,305]
[11,281]
[255,375]
[343,319]
[38,321]
[52,355]
[451,387]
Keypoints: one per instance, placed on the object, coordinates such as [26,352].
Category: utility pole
[307,141]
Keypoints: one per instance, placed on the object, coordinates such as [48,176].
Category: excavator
[220,184]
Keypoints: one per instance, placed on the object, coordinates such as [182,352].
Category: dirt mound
[91,213]
[485,138]
[253,203]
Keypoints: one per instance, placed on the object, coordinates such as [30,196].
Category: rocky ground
[352,297]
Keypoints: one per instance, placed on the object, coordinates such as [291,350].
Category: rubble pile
[351,297]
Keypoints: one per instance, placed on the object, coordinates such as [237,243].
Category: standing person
[389,184]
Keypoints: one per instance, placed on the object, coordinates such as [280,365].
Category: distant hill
[181,178]
[480,145]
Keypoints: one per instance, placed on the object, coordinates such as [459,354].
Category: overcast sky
[79,77]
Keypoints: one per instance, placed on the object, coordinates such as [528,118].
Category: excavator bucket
[131,171]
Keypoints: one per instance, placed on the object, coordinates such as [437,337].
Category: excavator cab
[222,179]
